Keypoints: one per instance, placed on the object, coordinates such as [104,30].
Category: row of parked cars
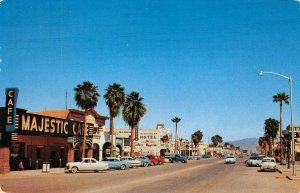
[265,163]
[122,163]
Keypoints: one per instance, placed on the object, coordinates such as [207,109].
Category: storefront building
[55,136]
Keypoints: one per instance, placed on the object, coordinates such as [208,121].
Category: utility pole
[66,99]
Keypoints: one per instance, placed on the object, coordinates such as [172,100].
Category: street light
[261,73]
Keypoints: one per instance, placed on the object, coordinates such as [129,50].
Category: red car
[153,159]
[161,160]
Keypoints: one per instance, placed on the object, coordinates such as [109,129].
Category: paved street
[206,176]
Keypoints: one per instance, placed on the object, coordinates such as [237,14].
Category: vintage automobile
[134,162]
[116,163]
[255,161]
[153,159]
[206,156]
[230,159]
[176,157]
[144,161]
[86,164]
[268,164]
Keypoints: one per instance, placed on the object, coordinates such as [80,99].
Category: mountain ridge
[247,143]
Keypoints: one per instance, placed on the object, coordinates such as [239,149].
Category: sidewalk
[289,172]
[37,172]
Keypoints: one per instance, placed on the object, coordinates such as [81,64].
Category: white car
[134,162]
[268,164]
[87,164]
[230,159]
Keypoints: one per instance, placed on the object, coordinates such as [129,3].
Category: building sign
[32,124]
[11,101]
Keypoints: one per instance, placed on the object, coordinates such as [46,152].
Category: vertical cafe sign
[10,110]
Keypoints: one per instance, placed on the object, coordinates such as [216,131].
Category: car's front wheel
[145,164]
[123,167]
[74,169]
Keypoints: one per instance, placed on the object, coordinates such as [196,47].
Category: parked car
[206,156]
[194,157]
[144,161]
[116,163]
[153,159]
[134,162]
[268,164]
[230,159]
[86,164]
[176,157]
[255,161]
[161,160]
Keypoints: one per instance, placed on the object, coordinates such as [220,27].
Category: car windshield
[230,157]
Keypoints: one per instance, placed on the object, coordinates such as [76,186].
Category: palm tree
[216,140]
[133,112]
[271,131]
[114,99]
[262,143]
[197,137]
[86,97]
[176,120]
[281,98]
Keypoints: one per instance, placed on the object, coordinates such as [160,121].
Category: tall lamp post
[176,120]
[261,73]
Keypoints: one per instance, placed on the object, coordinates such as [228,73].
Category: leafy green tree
[281,98]
[271,131]
[86,97]
[114,99]
[216,140]
[133,111]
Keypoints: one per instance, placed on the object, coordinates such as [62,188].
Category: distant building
[150,141]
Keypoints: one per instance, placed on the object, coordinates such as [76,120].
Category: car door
[84,165]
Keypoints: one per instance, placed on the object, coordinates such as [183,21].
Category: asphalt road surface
[206,175]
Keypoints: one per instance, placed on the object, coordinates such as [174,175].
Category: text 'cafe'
[54,136]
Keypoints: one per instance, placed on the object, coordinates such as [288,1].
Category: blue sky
[198,60]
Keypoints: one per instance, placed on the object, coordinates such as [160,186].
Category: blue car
[144,161]
[116,163]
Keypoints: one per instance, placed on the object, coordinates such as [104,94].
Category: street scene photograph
[150,96]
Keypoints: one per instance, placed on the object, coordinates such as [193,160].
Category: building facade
[54,136]
[150,141]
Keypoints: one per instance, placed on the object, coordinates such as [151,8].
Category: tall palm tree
[133,111]
[262,143]
[176,120]
[86,97]
[197,137]
[271,131]
[281,98]
[216,140]
[114,99]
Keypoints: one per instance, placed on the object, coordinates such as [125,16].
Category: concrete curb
[288,176]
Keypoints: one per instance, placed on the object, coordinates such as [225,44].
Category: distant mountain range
[247,143]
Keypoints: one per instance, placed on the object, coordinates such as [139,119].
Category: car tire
[145,164]
[152,164]
[122,167]
[159,162]
[74,169]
